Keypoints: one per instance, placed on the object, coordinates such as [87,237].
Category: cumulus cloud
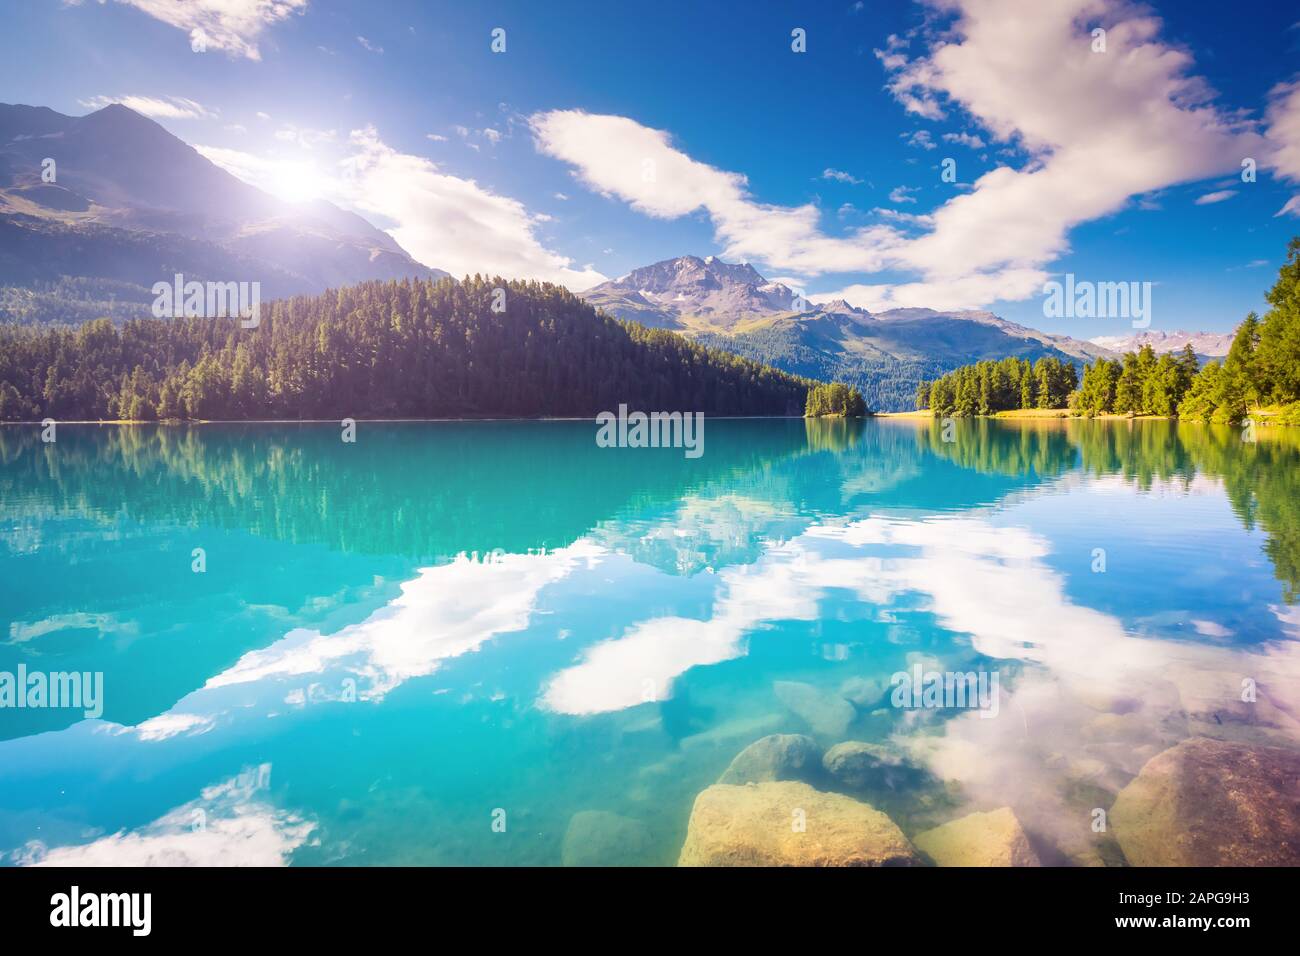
[450,222]
[1283,120]
[1097,129]
[622,159]
[158,107]
[230,25]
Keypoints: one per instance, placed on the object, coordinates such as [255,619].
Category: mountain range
[1204,344]
[131,204]
[884,354]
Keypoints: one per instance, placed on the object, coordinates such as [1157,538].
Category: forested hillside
[409,348]
[885,382]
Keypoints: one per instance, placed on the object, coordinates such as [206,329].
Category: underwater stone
[862,766]
[601,838]
[775,757]
[787,823]
[979,839]
[1212,803]
[824,712]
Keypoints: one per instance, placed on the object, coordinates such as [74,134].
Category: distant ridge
[1204,344]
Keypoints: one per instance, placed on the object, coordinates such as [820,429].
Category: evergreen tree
[407,349]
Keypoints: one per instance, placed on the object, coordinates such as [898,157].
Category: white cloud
[230,25]
[168,725]
[238,828]
[1283,134]
[902,194]
[445,612]
[964,139]
[449,222]
[840,176]
[305,137]
[372,47]
[921,139]
[620,158]
[1097,129]
[1220,195]
[157,107]
[442,220]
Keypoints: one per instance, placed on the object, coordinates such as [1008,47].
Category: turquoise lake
[440,643]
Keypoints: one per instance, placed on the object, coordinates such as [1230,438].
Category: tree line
[834,399]
[413,348]
[987,387]
[1261,369]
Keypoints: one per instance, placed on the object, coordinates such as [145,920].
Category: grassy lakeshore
[1264,415]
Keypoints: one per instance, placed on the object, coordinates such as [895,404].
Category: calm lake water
[440,643]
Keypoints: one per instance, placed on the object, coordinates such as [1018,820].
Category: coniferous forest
[1261,370]
[996,386]
[836,399]
[401,349]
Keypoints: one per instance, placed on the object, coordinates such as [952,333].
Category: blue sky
[609,136]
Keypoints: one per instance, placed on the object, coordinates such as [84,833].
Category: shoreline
[384,421]
[1261,416]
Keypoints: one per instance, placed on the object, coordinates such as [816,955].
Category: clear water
[400,645]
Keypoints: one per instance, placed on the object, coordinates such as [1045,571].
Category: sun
[296,181]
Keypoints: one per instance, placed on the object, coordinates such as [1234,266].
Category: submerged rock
[824,712]
[861,766]
[1212,803]
[787,823]
[601,838]
[979,839]
[865,692]
[775,757]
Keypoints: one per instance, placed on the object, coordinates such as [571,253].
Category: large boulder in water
[601,838]
[860,766]
[775,757]
[826,713]
[787,823]
[1212,803]
[979,839]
